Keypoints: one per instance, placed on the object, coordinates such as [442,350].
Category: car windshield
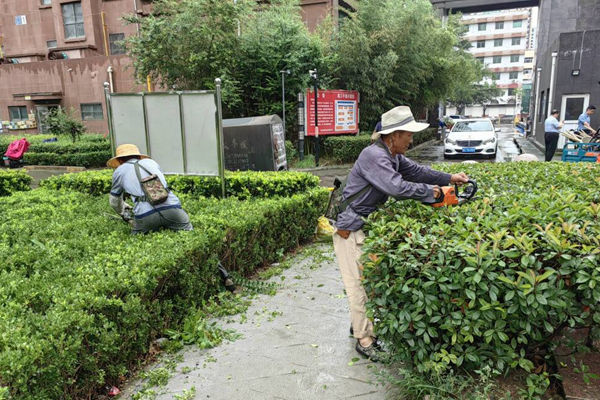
[473,126]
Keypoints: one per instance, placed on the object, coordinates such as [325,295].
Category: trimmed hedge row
[492,281]
[241,184]
[13,181]
[82,298]
[347,148]
[93,150]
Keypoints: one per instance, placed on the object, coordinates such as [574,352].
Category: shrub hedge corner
[492,281]
[14,181]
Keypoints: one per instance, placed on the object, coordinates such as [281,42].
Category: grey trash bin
[255,143]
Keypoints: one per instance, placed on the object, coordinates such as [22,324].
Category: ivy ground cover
[490,282]
[81,298]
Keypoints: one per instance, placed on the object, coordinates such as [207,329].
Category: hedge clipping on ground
[492,281]
[243,185]
[82,298]
[13,181]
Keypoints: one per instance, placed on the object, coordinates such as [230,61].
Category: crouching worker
[380,171]
[140,177]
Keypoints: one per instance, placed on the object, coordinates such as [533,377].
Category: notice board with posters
[337,112]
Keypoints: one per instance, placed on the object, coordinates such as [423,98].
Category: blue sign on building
[20,20]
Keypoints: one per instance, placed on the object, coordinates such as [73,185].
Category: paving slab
[294,345]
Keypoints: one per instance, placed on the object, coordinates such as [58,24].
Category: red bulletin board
[338,112]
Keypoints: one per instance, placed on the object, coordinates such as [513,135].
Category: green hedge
[93,150]
[13,181]
[82,298]
[492,281]
[346,149]
[243,184]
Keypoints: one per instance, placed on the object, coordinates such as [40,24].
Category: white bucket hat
[399,119]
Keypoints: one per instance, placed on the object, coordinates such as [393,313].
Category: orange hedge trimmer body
[451,196]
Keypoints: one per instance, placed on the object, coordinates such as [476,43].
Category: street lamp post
[314,76]
[283,72]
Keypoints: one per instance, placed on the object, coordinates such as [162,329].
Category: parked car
[472,137]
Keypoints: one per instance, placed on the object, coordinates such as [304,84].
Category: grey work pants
[172,218]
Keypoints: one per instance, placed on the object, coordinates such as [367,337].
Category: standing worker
[551,129]
[140,177]
[381,170]
[584,120]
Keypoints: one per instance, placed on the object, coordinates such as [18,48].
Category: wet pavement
[294,345]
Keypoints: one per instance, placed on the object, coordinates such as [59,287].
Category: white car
[472,137]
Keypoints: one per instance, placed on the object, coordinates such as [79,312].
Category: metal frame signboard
[337,109]
[181,131]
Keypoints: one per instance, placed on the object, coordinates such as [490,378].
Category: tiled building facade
[60,52]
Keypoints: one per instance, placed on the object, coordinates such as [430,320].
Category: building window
[480,59]
[511,92]
[480,44]
[518,24]
[513,75]
[481,26]
[91,111]
[574,107]
[516,41]
[497,59]
[496,76]
[514,58]
[528,60]
[542,102]
[498,42]
[546,101]
[45,2]
[500,25]
[17,113]
[73,20]
[527,71]
[51,44]
[116,43]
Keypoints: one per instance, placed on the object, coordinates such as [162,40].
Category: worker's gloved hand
[459,179]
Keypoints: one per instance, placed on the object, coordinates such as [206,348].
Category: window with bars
[518,23]
[480,44]
[51,44]
[73,20]
[17,113]
[514,58]
[116,43]
[91,111]
[497,42]
[516,41]
[482,26]
[513,75]
[497,60]
[500,25]
[496,76]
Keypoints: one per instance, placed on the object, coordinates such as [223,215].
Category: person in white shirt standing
[552,129]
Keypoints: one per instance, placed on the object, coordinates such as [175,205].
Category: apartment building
[502,41]
[60,52]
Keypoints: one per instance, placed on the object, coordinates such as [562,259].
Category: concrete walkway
[295,345]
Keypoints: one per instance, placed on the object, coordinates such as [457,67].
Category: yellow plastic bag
[324,228]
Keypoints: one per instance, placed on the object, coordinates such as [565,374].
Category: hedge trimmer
[451,196]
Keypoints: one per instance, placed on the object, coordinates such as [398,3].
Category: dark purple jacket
[398,177]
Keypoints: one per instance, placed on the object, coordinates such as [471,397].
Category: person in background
[125,182]
[551,129]
[380,171]
[583,123]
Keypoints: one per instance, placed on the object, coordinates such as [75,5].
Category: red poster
[338,112]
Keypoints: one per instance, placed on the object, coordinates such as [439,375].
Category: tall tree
[397,52]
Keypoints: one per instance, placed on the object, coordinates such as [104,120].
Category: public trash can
[255,143]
